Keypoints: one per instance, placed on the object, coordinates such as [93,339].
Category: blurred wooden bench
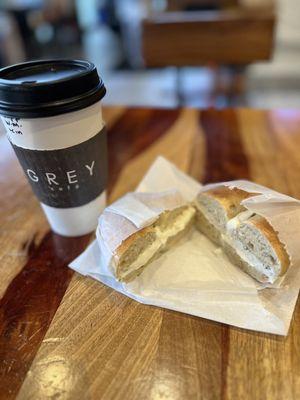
[194,38]
[234,37]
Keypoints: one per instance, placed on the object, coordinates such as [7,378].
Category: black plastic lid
[48,87]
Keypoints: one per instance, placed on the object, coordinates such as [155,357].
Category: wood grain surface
[64,336]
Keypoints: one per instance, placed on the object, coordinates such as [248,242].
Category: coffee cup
[52,114]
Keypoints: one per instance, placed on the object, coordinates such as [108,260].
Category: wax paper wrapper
[195,277]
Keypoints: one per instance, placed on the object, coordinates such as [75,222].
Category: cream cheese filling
[211,217]
[162,237]
[233,223]
[250,258]
[244,254]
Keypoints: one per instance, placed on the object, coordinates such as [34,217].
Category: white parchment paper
[195,276]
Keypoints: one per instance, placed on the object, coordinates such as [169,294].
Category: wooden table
[64,336]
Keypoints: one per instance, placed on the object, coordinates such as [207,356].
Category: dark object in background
[46,30]
[26,33]
[199,5]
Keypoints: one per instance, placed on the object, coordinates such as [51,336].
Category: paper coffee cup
[59,138]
